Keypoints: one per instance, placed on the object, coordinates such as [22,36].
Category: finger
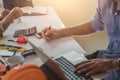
[5,12]
[17,12]
[81,63]
[87,69]
[43,35]
[45,30]
[49,33]
[47,38]
[40,34]
[92,72]
[82,67]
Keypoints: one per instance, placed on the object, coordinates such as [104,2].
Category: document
[6,53]
[36,10]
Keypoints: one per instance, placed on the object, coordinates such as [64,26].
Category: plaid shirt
[1,30]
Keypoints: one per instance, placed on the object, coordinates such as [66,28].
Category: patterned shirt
[108,17]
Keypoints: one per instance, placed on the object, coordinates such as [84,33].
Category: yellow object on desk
[12,48]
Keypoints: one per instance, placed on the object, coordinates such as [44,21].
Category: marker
[12,40]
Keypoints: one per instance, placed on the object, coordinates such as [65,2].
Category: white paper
[7,53]
[37,10]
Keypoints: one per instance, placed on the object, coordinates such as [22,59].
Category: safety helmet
[25,72]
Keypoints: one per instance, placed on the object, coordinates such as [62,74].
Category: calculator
[25,32]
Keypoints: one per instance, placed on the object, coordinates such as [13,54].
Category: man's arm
[81,29]
[94,66]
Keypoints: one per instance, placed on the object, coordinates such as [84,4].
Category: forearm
[14,14]
[6,21]
[81,29]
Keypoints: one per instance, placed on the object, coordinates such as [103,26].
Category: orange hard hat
[25,72]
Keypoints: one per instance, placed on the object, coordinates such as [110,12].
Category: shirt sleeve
[97,21]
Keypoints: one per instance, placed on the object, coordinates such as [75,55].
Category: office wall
[71,12]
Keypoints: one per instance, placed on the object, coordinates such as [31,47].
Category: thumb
[48,33]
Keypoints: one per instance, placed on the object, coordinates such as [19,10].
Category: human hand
[13,14]
[94,66]
[4,13]
[49,33]
[16,12]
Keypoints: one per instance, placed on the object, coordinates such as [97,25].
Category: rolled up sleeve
[97,21]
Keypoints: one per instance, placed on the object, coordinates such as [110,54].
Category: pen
[46,36]
[49,27]
[12,40]
[14,53]
[39,35]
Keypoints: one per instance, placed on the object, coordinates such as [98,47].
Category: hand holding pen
[45,31]
[50,33]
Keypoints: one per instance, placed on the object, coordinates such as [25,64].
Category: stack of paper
[37,10]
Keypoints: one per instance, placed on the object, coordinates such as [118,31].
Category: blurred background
[71,12]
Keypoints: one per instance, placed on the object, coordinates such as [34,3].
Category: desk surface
[52,48]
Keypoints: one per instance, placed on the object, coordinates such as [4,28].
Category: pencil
[49,27]
[14,53]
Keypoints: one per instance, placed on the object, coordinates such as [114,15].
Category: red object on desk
[22,39]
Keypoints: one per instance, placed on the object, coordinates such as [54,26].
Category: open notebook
[36,10]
